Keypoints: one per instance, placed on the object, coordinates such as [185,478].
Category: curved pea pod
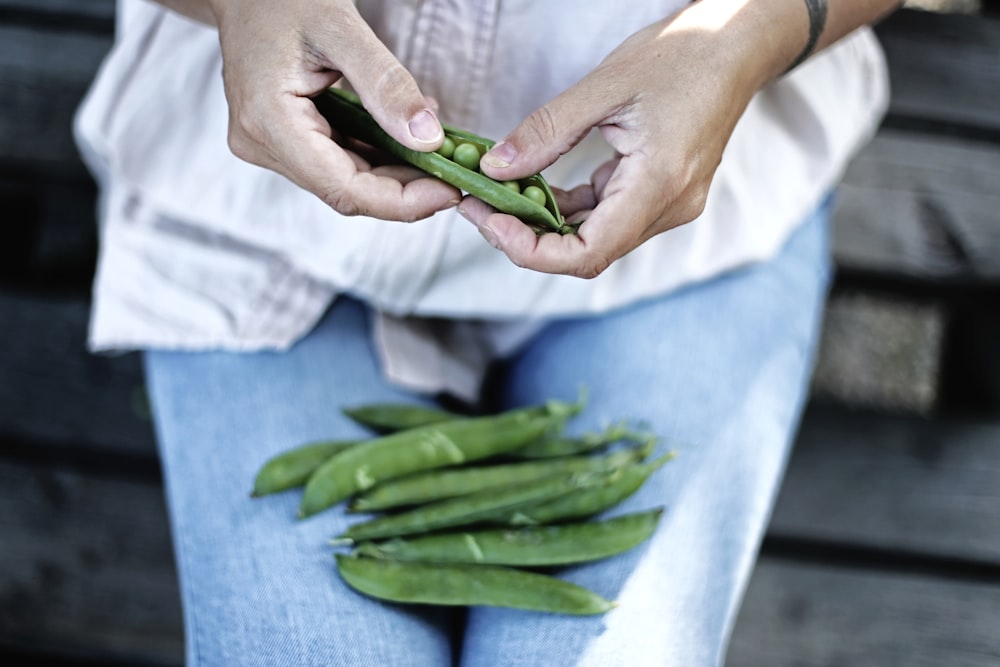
[345,112]
[486,505]
[426,447]
[292,468]
[592,500]
[436,485]
[392,417]
[558,446]
[532,546]
[472,585]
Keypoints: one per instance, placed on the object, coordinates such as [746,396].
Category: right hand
[276,55]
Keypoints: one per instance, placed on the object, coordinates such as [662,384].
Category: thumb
[549,132]
[389,93]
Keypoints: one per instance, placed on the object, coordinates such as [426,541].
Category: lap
[719,370]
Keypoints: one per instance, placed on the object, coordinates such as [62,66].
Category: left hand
[667,100]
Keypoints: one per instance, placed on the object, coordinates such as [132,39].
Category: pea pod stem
[472,585]
[344,111]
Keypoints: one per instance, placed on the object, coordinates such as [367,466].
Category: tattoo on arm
[817,21]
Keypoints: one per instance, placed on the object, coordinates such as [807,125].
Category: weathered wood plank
[102,9]
[894,483]
[87,566]
[944,68]
[798,615]
[44,75]
[919,205]
[53,391]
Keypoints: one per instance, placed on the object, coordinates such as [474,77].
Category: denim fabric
[720,370]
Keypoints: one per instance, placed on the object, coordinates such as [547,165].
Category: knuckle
[394,82]
[341,201]
[541,125]
[593,265]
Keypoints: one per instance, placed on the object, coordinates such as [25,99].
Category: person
[264,266]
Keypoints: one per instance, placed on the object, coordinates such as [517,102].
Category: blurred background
[884,548]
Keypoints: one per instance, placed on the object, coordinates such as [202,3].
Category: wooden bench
[885,543]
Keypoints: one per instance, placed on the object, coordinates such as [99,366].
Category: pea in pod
[532,546]
[426,447]
[436,485]
[345,112]
[474,585]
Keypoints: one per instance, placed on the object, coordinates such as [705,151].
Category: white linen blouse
[200,250]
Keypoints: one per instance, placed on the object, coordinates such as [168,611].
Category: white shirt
[201,250]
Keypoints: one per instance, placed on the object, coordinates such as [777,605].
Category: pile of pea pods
[474,510]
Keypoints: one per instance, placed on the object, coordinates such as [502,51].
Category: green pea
[535,194]
[513,186]
[436,485]
[533,546]
[391,417]
[426,447]
[447,147]
[477,585]
[467,155]
[293,467]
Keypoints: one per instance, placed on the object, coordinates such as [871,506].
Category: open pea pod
[345,112]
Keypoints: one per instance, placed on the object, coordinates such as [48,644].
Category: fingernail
[501,155]
[424,127]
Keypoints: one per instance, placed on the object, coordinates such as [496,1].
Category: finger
[549,132]
[581,197]
[617,225]
[388,91]
[311,159]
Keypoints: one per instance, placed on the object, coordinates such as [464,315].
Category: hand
[667,101]
[276,55]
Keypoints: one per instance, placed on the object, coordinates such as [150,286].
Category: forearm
[777,35]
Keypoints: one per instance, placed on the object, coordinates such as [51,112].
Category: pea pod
[475,585]
[592,500]
[426,447]
[293,467]
[486,505]
[557,446]
[439,484]
[532,546]
[392,417]
[344,111]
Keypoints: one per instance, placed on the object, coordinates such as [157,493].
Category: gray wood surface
[944,68]
[87,567]
[103,9]
[798,615]
[921,205]
[43,75]
[52,391]
[895,483]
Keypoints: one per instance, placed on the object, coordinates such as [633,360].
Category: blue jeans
[719,370]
